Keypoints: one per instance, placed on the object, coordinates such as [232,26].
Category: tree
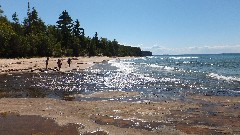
[33,38]
[96,39]
[54,46]
[37,23]
[33,24]
[76,46]
[15,18]
[90,46]
[110,48]
[15,47]
[6,34]
[16,25]
[65,27]
[76,29]
[115,47]
[1,11]
[34,33]
[2,17]
[77,40]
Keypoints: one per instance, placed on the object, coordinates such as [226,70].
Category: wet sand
[196,115]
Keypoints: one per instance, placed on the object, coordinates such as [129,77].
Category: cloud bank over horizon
[159,50]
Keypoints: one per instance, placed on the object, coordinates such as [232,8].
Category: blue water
[156,77]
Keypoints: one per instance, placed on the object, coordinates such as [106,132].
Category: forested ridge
[33,38]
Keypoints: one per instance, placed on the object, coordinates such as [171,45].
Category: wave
[234,91]
[178,58]
[151,57]
[155,66]
[162,67]
[226,78]
[168,68]
[123,66]
[165,79]
[186,62]
[126,76]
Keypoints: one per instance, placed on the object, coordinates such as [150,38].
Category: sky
[160,26]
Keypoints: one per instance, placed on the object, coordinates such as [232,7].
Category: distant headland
[146,53]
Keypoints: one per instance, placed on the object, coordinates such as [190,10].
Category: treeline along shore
[33,38]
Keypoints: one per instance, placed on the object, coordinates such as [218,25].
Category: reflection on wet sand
[96,133]
[126,123]
[205,119]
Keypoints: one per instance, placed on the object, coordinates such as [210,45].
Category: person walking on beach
[47,62]
[69,61]
[59,63]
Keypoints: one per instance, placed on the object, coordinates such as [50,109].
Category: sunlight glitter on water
[156,77]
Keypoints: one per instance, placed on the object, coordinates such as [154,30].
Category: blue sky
[161,26]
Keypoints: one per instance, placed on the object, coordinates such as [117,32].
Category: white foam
[168,68]
[186,62]
[234,91]
[141,58]
[151,57]
[221,77]
[162,67]
[178,58]
[126,75]
[169,80]
[143,63]
[150,79]
[124,66]
[155,66]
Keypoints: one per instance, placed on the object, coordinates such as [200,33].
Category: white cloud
[156,49]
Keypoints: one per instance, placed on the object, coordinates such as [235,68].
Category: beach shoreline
[39,64]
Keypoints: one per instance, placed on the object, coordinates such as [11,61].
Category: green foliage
[6,35]
[57,50]
[1,12]
[33,24]
[17,27]
[65,28]
[15,18]
[76,29]
[33,38]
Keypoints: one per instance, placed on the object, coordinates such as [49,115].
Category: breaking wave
[221,77]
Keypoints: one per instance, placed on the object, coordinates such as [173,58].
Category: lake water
[155,77]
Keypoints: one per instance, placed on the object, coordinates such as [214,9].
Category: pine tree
[15,18]
[65,26]
[33,24]
[77,29]
[1,11]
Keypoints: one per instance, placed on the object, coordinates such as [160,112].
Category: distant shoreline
[196,54]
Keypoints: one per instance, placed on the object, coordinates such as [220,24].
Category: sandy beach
[39,64]
[197,114]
